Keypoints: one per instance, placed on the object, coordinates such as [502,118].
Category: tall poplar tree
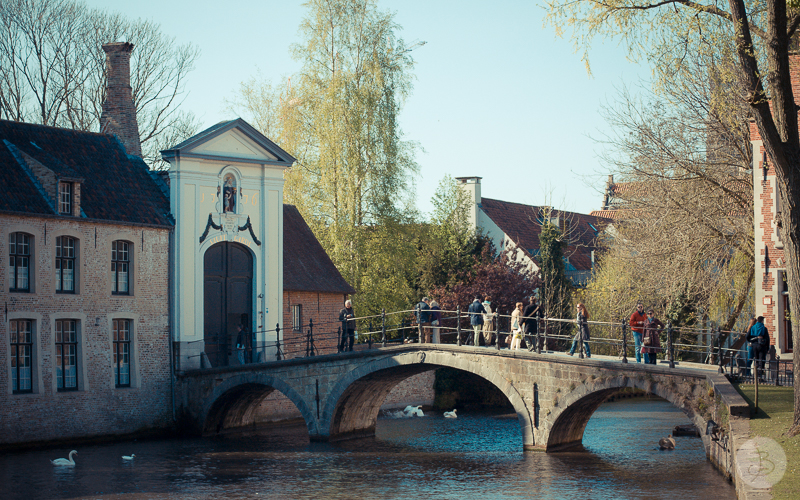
[354,177]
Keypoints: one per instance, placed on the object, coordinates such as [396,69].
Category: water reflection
[476,455]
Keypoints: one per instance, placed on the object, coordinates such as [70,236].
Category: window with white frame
[67,354]
[19,249]
[122,352]
[65,198]
[297,317]
[65,264]
[120,267]
[21,355]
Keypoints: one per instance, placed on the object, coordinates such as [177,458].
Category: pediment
[234,144]
[234,140]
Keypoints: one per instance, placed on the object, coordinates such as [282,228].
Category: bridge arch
[573,411]
[351,408]
[233,401]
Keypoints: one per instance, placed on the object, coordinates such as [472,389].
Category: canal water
[477,455]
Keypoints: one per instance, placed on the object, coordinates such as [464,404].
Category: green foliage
[447,245]
[556,290]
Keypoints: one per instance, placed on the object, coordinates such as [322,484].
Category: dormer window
[65,198]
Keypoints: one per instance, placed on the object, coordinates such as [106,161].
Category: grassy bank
[775,414]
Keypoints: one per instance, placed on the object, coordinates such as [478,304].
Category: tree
[52,70]
[503,278]
[556,291]
[448,243]
[670,33]
[353,180]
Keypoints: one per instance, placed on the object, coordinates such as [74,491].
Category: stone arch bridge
[340,395]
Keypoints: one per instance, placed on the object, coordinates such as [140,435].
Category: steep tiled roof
[114,186]
[522,223]
[306,266]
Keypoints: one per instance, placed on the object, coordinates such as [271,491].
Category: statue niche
[229,191]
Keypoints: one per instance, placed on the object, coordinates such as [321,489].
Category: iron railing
[543,335]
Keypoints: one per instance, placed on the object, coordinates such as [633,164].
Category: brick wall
[98,407]
[770,258]
[321,307]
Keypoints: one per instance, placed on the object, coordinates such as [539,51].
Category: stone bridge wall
[340,395]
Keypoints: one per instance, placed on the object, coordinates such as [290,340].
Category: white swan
[412,411]
[125,457]
[64,461]
[450,414]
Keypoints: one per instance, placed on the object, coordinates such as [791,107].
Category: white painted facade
[478,220]
[199,169]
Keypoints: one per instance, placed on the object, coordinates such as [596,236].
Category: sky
[496,93]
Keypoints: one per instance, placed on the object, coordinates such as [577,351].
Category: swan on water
[667,443]
[450,414]
[64,461]
[412,411]
[125,457]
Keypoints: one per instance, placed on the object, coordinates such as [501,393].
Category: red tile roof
[522,223]
[306,265]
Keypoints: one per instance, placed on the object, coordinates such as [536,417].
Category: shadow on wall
[459,389]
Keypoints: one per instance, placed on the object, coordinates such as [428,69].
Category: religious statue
[229,195]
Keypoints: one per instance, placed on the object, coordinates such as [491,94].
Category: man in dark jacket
[758,336]
[530,322]
[346,316]
[424,319]
[476,312]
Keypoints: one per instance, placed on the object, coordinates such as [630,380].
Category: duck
[125,457]
[450,414]
[667,443]
[64,461]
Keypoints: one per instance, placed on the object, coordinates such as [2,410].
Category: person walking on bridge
[424,320]
[346,317]
[637,327]
[582,321]
[488,322]
[476,312]
[516,328]
[530,322]
[436,318]
[651,341]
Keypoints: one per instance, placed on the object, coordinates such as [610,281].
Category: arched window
[19,249]
[120,267]
[66,247]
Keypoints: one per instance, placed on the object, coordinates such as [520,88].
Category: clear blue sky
[496,95]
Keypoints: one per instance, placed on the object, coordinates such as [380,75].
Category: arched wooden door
[227,295]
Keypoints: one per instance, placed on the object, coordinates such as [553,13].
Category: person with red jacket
[637,323]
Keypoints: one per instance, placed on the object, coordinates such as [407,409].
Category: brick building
[514,228]
[771,293]
[84,239]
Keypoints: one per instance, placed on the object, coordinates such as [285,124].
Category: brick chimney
[119,113]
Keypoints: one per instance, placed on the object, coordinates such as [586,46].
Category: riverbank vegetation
[775,415]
